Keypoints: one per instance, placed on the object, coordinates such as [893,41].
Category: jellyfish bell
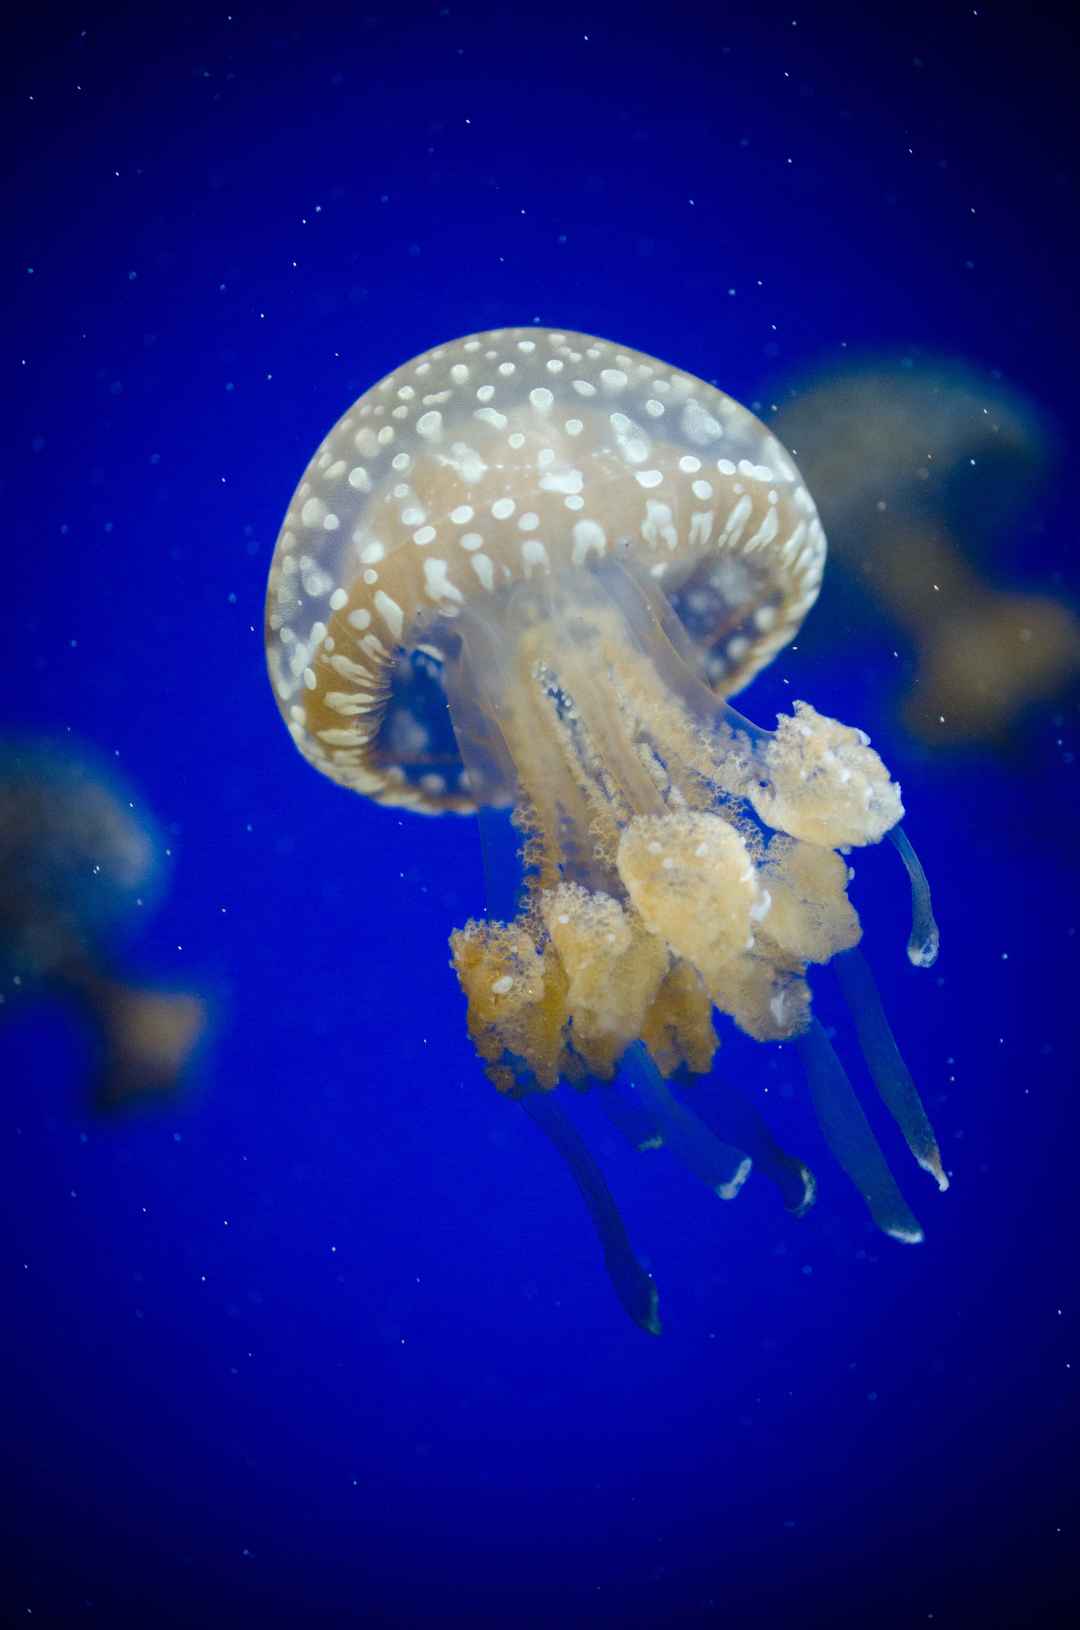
[528,569]
[77,866]
[917,466]
[510,458]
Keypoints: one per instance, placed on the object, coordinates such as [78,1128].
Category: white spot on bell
[437,584]
[484,570]
[390,612]
[533,554]
[564,481]
[589,538]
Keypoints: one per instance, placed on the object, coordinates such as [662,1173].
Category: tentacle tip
[651,1321]
[728,1190]
[655,1142]
[932,1163]
[907,1233]
[809,1193]
[923,949]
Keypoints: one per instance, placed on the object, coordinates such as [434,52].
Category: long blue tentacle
[633,1286]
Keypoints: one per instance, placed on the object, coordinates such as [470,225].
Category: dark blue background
[332,1344]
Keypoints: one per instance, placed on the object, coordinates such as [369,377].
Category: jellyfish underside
[676,860]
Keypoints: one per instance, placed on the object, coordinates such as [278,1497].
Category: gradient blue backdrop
[332,1344]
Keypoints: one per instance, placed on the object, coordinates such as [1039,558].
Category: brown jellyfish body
[912,465]
[76,867]
[526,570]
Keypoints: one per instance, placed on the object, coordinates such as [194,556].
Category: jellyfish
[524,573]
[913,466]
[76,867]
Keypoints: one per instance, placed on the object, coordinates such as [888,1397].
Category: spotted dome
[489,461]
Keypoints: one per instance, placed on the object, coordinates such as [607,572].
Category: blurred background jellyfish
[524,572]
[77,865]
[921,470]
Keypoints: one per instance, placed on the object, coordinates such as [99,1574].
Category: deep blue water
[330,1343]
